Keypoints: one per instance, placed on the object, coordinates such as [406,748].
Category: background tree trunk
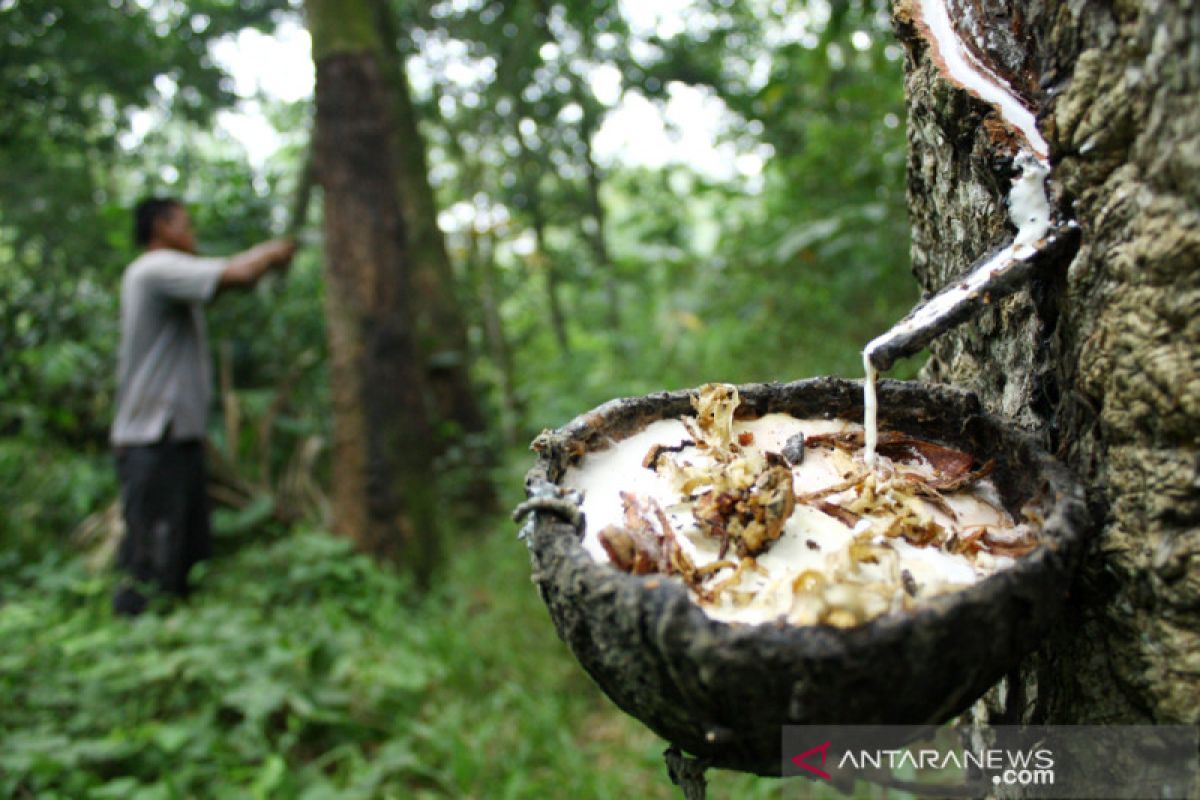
[1100,356]
[542,260]
[383,445]
[596,234]
[481,260]
[442,333]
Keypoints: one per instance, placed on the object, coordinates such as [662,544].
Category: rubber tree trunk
[383,494]
[441,328]
[1100,357]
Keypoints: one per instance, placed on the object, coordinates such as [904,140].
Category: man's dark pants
[165,500]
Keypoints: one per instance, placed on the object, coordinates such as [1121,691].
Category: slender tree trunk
[1100,357]
[596,236]
[542,258]
[588,125]
[545,263]
[302,195]
[483,263]
[383,494]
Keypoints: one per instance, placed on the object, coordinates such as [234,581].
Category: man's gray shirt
[163,373]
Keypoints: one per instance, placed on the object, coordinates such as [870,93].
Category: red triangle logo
[800,761]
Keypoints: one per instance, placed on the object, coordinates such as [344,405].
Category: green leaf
[269,778]
[253,515]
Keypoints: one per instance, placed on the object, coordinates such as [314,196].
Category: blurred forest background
[301,667]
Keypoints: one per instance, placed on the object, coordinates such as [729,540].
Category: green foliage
[303,670]
[72,74]
[713,279]
[710,279]
[302,647]
[45,490]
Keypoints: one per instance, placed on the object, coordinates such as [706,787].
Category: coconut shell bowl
[722,691]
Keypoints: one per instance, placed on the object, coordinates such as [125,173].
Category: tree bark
[441,330]
[1100,355]
[383,494]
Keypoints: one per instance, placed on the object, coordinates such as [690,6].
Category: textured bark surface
[1100,357]
[382,438]
[722,691]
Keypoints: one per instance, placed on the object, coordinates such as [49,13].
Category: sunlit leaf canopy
[798,217]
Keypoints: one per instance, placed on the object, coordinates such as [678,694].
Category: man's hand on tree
[245,268]
[286,250]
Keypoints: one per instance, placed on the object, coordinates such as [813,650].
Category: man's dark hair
[149,211]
